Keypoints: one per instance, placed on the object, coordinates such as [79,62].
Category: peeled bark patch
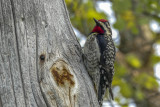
[62,74]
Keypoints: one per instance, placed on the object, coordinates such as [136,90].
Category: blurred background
[136,34]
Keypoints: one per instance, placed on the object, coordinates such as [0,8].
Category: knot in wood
[62,75]
[42,57]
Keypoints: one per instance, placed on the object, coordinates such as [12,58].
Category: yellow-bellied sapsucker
[99,56]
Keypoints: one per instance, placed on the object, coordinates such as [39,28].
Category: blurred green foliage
[136,58]
[82,14]
[133,61]
[145,81]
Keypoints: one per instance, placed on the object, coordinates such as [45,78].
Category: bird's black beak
[96,21]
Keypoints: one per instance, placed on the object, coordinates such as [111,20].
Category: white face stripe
[106,27]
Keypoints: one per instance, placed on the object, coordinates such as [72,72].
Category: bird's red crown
[103,20]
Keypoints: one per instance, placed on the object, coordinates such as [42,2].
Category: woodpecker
[99,56]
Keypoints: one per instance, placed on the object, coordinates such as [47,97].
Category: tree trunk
[40,58]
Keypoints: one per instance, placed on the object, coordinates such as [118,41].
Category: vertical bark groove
[17,48]
[13,86]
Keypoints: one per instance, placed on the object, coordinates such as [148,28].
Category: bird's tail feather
[101,93]
[104,84]
[111,93]
[102,87]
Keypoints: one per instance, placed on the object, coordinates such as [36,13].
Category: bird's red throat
[98,30]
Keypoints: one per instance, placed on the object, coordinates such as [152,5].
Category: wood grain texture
[40,58]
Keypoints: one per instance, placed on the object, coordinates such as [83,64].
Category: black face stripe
[107,24]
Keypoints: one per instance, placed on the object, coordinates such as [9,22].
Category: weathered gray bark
[30,29]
